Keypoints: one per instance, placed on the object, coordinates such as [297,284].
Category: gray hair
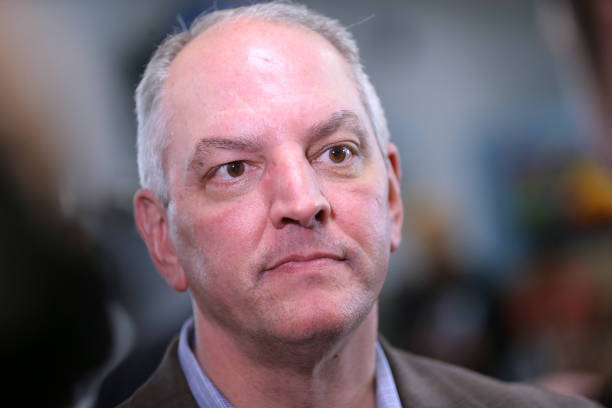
[152,122]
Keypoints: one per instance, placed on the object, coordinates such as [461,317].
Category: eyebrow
[340,119]
[203,147]
[242,143]
[337,120]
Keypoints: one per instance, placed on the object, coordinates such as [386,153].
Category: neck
[339,372]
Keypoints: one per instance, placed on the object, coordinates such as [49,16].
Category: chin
[319,321]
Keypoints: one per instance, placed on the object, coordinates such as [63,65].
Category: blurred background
[502,112]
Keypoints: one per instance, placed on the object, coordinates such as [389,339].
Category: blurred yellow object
[589,192]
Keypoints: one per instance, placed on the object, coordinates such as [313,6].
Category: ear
[396,206]
[152,222]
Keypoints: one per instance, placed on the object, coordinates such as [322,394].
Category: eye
[338,154]
[234,169]
[228,171]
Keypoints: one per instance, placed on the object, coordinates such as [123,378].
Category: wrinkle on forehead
[241,115]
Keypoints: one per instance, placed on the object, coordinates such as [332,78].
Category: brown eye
[338,154]
[235,169]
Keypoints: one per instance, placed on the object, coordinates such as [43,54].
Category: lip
[302,258]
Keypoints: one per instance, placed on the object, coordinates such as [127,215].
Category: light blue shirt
[208,396]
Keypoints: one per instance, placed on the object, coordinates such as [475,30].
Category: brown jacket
[421,383]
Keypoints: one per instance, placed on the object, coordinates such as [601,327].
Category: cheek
[364,203]
[222,236]
[363,214]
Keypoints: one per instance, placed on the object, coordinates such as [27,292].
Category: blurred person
[56,333]
[557,325]
[452,313]
[594,21]
[271,191]
[55,329]
[557,303]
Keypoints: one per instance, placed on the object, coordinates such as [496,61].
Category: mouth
[293,263]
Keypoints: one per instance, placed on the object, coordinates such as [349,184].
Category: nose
[297,195]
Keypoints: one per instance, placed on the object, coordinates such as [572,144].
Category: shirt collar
[207,395]
[204,391]
[386,391]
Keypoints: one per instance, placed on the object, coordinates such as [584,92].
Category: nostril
[320,216]
[287,220]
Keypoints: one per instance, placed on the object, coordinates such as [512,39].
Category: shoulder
[167,386]
[423,382]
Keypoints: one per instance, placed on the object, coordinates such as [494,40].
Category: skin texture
[283,212]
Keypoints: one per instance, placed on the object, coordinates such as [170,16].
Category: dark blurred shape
[53,318]
[453,313]
[56,332]
[593,19]
[556,313]
[135,369]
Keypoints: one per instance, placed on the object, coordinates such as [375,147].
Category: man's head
[283,201]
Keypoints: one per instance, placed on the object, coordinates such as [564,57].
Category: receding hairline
[246,19]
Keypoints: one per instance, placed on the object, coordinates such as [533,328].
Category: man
[271,192]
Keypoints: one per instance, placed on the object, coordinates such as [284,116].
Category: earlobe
[152,223]
[396,206]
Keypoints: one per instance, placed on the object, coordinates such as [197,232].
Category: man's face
[281,213]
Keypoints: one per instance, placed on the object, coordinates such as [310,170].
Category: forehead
[236,65]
